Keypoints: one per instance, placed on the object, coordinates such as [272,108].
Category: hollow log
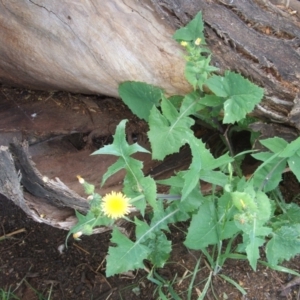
[90,47]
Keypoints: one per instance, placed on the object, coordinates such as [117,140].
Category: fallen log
[92,47]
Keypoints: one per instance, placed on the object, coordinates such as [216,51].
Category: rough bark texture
[87,46]
[255,38]
[90,47]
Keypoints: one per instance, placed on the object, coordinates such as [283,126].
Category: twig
[3,237]
[80,248]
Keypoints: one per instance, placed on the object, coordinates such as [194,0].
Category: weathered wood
[40,158]
[252,38]
[90,47]
[87,46]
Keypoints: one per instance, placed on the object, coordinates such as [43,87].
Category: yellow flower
[115,205]
[183,43]
[198,41]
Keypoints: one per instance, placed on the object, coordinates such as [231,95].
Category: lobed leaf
[192,31]
[126,255]
[169,130]
[284,244]
[240,95]
[140,97]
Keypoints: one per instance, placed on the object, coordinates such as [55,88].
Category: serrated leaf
[168,131]
[226,212]
[202,231]
[275,144]
[211,100]
[264,156]
[268,176]
[264,208]
[291,148]
[113,169]
[190,104]
[252,250]
[197,72]
[284,244]
[191,177]
[126,256]
[192,202]
[176,100]
[291,214]
[241,95]
[121,148]
[160,249]
[140,97]
[214,177]
[192,31]
[294,163]
[149,190]
[87,222]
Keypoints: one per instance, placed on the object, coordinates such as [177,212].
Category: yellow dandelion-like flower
[198,41]
[115,205]
[183,43]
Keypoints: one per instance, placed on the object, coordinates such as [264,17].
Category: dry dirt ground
[33,263]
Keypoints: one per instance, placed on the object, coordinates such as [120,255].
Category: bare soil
[33,262]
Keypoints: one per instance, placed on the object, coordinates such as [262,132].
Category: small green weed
[245,206]
[7,295]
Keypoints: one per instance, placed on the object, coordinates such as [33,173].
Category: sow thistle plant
[241,206]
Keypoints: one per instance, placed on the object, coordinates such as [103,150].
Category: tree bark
[90,47]
[255,38]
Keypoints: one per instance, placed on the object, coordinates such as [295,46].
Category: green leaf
[226,212]
[244,202]
[120,147]
[197,72]
[112,169]
[126,256]
[268,175]
[87,222]
[192,31]
[149,190]
[241,95]
[284,244]
[211,100]
[176,100]
[254,212]
[291,214]
[203,228]
[190,104]
[133,167]
[140,97]
[191,177]
[214,177]
[160,249]
[294,163]
[168,131]
[252,249]
[275,144]
[291,148]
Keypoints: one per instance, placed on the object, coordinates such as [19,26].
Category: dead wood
[252,38]
[91,48]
